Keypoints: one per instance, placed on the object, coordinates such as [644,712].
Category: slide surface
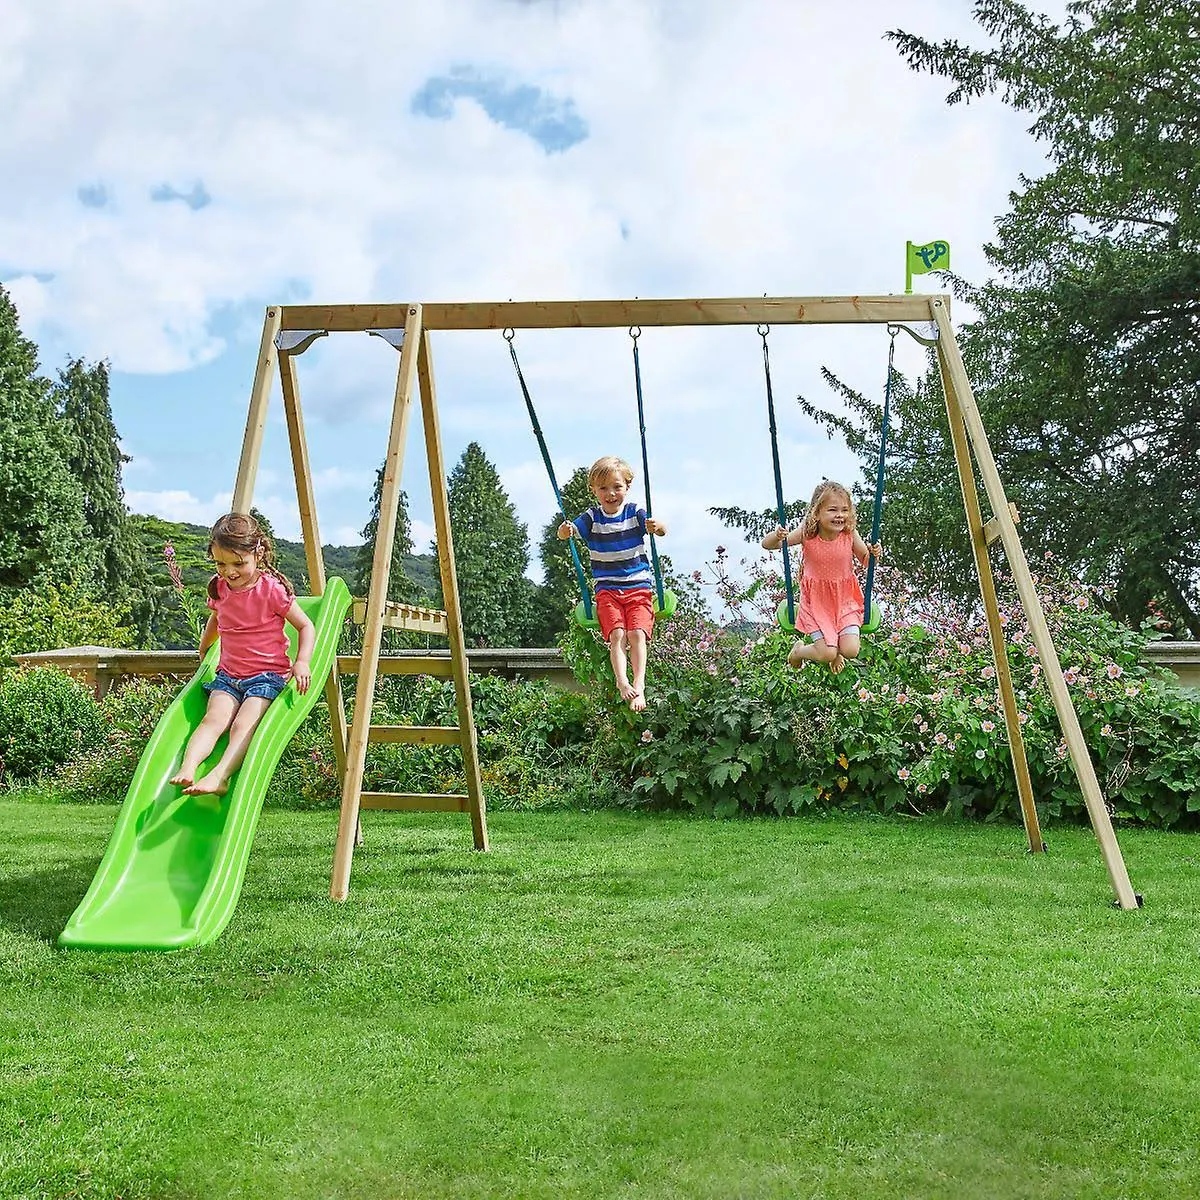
[174,865]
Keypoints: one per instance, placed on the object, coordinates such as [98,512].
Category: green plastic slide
[174,865]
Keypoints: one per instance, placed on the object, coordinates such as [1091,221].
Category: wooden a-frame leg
[445,547]
[389,503]
[991,607]
[1081,759]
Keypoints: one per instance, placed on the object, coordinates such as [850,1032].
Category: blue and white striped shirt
[617,545]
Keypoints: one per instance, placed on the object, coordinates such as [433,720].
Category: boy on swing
[614,531]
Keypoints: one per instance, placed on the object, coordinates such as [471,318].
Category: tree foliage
[41,503]
[95,459]
[1086,355]
[491,552]
[401,587]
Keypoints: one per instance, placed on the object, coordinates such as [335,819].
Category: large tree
[42,526]
[491,552]
[400,586]
[95,459]
[1086,356]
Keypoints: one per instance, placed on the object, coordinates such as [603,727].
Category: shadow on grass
[39,904]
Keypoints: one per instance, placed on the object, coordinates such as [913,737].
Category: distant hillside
[191,546]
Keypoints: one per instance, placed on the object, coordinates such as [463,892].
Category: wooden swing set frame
[290,329]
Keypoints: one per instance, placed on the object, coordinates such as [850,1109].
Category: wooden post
[1081,760]
[991,607]
[312,539]
[256,417]
[389,503]
[454,628]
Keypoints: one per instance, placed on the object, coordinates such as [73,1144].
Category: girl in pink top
[250,600]
[829,607]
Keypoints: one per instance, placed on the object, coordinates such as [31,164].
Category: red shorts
[625,608]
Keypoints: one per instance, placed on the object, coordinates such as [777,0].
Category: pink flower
[647,735]
[1023,718]
[904,772]
[988,673]
[1113,671]
[940,738]
[1131,689]
[988,726]
[1106,731]
[922,788]
[863,694]
[1031,652]
[1018,638]
[901,697]
[1061,750]
[1080,602]
[964,648]
[1071,675]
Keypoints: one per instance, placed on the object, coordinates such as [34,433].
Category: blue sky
[171,170]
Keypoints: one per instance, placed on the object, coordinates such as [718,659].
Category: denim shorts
[266,686]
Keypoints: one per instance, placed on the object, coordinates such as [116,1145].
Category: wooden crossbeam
[416,802]
[991,527]
[349,664]
[416,735]
[410,617]
[599,314]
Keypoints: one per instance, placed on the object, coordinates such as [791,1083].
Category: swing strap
[509,335]
[781,508]
[635,332]
[877,519]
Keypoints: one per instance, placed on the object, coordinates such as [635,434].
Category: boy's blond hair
[610,464]
[823,491]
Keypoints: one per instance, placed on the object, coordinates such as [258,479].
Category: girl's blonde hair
[610,464]
[240,533]
[822,492]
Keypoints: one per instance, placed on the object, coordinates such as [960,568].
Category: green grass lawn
[611,1005]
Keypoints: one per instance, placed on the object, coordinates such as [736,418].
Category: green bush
[129,714]
[56,616]
[46,719]
[914,725]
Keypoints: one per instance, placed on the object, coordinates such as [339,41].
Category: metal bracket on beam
[394,337]
[296,341]
[991,527]
[893,329]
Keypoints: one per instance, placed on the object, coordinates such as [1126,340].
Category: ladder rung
[416,735]
[410,617]
[348,664]
[991,527]
[415,802]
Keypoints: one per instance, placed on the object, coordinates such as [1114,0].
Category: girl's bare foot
[184,779]
[838,664]
[208,786]
[796,660]
[627,692]
[637,702]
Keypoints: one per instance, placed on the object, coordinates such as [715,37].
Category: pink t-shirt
[250,622]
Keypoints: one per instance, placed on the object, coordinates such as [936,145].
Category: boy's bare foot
[838,664]
[796,661]
[184,779]
[637,702]
[208,786]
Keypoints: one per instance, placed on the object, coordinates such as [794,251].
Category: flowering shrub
[915,723]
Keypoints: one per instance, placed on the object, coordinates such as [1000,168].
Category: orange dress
[830,596]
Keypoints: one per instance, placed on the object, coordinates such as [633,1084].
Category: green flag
[933,256]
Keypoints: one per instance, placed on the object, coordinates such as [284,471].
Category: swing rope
[635,332]
[509,335]
[877,518]
[781,508]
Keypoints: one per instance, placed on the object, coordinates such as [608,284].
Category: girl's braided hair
[240,533]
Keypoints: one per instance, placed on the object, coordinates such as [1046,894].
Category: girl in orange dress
[829,607]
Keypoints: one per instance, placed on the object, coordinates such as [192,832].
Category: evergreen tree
[401,587]
[95,459]
[1086,359]
[558,593]
[491,552]
[42,529]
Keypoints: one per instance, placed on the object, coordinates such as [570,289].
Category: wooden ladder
[376,613]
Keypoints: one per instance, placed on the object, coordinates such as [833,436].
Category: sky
[171,169]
